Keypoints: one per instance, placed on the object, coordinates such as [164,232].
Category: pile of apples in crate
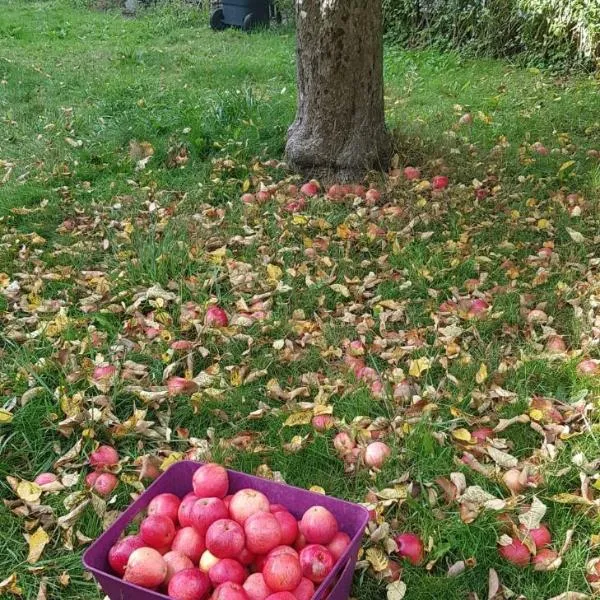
[235,547]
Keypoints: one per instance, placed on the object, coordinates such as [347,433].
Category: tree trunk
[339,131]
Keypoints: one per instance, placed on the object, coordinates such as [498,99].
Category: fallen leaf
[396,590]
[533,517]
[29,491]
[502,459]
[377,559]
[37,542]
[419,366]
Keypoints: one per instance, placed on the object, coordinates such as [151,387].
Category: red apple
[439,182]
[412,173]
[184,514]
[146,568]
[376,454]
[338,544]
[256,588]
[176,561]
[248,198]
[206,511]
[316,562]
[305,590]
[410,547]
[318,525]
[541,535]
[373,197]
[343,443]
[225,538]
[288,525]
[277,507]
[119,554]
[216,317]
[104,457]
[516,553]
[247,502]
[263,532]
[310,189]
[543,559]
[105,483]
[157,531]
[166,505]
[300,541]
[190,542]
[229,591]
[246,557]
[282,572]
[227,569]
[322,422]
[282,596]
[210,480]
[190,584]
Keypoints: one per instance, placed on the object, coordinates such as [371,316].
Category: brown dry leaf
[37,542]
[571,596]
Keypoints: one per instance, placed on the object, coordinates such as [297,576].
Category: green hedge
[557,32]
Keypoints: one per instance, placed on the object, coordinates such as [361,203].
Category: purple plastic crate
[352,519]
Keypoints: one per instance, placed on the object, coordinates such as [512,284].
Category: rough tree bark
[339,131]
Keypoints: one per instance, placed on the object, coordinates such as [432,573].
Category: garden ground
[125,146]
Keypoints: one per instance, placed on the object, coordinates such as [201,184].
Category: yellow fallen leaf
[246,185]
[5,416]
[566,165]
[37,543]
[543,224]
[299,418]
[29,491]
[10,586]
[343,231]
[462,434]
[217,256]
[482,374]
[274,272]
[341,289]
[536,414]
[377,558]
[419,366]
[171,460]
[317,489]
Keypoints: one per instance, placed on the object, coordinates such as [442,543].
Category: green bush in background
[561,33]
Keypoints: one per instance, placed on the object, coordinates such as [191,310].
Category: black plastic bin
[241,13]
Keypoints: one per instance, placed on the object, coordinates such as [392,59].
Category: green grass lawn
[85,229]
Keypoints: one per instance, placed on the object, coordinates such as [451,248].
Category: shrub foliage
[558,32]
